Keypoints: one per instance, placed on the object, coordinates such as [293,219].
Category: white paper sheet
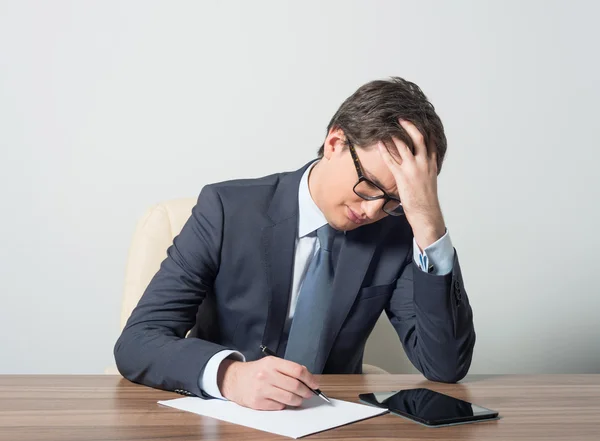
[315,415]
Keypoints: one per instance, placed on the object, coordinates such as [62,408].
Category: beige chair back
[154,233]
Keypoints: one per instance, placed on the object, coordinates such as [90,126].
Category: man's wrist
[226,375]
[428,233]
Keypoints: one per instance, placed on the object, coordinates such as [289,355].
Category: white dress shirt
[437,259]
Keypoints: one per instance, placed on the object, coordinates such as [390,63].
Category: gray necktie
[310,315]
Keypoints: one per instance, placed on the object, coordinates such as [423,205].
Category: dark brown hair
[371,115]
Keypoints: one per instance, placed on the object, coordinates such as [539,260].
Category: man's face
[337,176]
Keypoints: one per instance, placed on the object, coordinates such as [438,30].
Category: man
[305,262]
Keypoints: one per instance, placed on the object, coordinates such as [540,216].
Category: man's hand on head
[416,180]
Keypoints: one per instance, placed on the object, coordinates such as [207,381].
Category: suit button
[457,290]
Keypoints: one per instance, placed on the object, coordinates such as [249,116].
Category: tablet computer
[428,407]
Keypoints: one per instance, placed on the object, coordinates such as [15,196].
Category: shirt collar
[310,218]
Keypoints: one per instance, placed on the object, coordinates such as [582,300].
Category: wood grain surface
[69,408]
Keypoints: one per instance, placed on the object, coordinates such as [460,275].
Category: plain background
[108,107]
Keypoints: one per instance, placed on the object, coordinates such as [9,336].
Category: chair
[153,235]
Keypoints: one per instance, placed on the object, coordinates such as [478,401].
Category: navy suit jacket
[227,279]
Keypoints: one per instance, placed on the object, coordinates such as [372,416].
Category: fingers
[386,156]
[270,383]
[296,371]
[285,397]
[291,385]
[286,385]
[433,160]
[394,162]
[403,150]
[417,138]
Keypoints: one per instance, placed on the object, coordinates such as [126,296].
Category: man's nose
[372,208]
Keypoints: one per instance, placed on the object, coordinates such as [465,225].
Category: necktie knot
[326,234]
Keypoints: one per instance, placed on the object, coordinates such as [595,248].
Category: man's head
[367,117]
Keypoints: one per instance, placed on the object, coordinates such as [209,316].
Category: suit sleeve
[152,348]
[434,321]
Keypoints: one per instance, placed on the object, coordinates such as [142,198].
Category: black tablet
[428,407]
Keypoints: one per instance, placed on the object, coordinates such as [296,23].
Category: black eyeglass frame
[362,178]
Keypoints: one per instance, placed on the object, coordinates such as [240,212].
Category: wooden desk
[555,407]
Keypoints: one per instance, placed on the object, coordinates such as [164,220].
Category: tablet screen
[429,407]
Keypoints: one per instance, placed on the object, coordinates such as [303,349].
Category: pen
[317,392]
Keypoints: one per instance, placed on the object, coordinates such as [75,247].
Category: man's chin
[340,226]
[345,225]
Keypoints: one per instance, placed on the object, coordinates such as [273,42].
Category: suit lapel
[278,251]
[278,248]
[354,259]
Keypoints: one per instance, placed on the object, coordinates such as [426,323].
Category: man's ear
[334,143]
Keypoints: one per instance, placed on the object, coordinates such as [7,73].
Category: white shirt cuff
[208,379]
[437,258]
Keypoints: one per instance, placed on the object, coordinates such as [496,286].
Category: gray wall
[109,107]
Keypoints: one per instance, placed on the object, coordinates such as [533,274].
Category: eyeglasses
[370,191]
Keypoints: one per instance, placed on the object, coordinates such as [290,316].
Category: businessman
[305,262]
